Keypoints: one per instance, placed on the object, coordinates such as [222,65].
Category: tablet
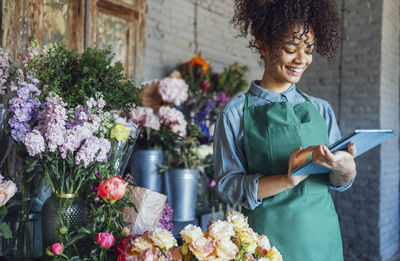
[364,139]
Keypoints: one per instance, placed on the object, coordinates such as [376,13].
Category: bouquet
[232,239]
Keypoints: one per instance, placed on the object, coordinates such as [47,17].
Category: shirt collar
[271,96]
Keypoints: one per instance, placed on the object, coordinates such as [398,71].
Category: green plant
[75,77]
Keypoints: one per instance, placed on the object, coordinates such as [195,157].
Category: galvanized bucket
[181,185]
[144,168]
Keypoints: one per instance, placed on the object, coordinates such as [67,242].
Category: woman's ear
[262,48]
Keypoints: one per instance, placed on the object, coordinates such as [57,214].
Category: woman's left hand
[340,162]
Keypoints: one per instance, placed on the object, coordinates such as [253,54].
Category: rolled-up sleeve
[234,184]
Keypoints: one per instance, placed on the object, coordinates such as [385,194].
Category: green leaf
[5,230]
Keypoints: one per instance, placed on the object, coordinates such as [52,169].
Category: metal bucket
[181,185]
[144,168]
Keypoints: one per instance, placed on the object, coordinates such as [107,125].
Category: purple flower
[222,99]
[204,112]
[165,221]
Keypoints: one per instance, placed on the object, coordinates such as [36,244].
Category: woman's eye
[288,51]
[309,51]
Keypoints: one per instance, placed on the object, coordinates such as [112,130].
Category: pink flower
[54,124]
[56,249]
[174,119]
[145,116]
[112,189]
[205,85]
[90,148]
[173,90]
[125,231]
[106,240]
[213,183]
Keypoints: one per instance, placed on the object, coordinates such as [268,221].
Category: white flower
[140,244]
[162,238]
[34,143]
[238,220]
[191,233]
[226,249]
[173,90]
[221,230]
[274,255]
[7,190]
[204,150]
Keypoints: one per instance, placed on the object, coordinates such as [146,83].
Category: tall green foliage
[76,77]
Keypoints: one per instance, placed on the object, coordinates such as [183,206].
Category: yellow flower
[263,246]
[142,243]
[226,249]
[203,248]
[274,255]
[162,238]
[191,233]
[249,240]
[120,133]
[238,220]
[198,60]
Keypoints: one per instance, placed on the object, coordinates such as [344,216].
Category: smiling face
[286,66]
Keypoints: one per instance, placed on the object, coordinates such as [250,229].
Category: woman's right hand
[298,157]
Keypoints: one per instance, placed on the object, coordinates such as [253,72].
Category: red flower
[106,240]
[205,85]
[124,246]
[56,249]
[112,189]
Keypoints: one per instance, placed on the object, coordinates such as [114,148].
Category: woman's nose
[301,57]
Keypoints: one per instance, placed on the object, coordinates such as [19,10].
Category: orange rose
[198,60]
[202,248]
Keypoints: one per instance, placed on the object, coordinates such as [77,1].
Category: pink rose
[56,249]
[112,189]
[106,240]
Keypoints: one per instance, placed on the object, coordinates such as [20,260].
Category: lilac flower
[73,138]
[91,147]
[34,143]
[165,221]
[55,116]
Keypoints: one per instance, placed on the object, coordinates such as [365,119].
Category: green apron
[301,222]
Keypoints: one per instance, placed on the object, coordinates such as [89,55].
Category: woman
[261,136]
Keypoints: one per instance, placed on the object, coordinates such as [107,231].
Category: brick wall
[170,36]
[389,118]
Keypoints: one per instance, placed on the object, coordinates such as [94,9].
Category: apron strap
[247,103]
[302,94]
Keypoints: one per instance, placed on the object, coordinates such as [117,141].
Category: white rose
[238,220]
[191,233]
[7,190]
[142,243]
[162,238]
[226,249]
[221,230]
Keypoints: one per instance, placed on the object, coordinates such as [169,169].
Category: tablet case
[364,139]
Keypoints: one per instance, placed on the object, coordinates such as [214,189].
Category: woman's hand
[340,162]
[298,157]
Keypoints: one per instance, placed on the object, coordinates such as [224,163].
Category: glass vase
[25,243]
[62,210]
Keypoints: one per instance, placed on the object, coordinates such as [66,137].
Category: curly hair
[269,21]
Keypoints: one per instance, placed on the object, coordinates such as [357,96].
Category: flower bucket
[61,209]
[181,185]
[144,168]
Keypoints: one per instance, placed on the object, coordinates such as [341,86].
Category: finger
[296,151]
[351,148]
[328,154]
